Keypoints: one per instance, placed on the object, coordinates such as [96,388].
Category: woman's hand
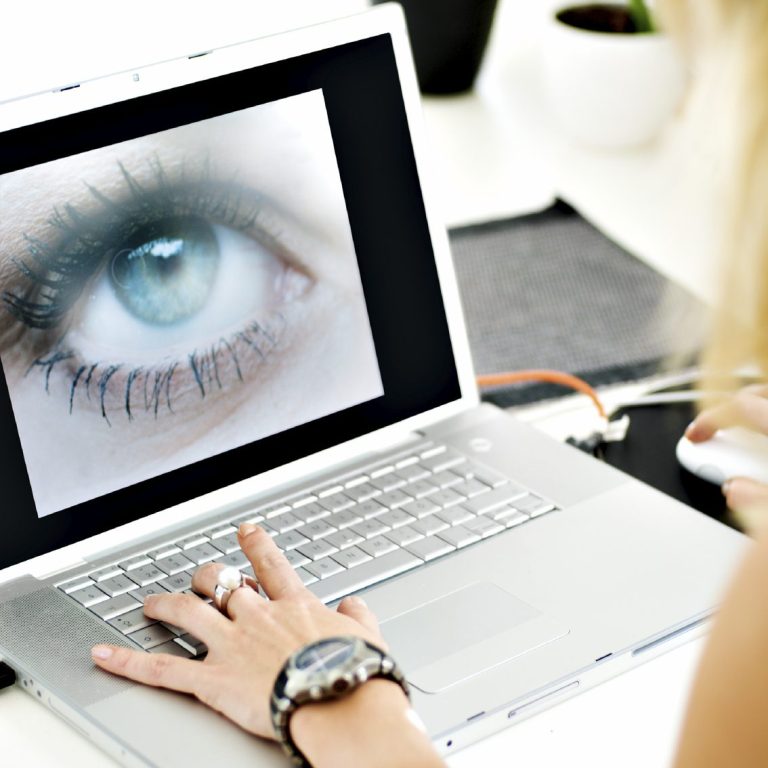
[246,649]
[748,408]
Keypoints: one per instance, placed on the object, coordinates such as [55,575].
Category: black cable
[7,676]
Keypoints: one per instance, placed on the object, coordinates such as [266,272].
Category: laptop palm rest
[464,633]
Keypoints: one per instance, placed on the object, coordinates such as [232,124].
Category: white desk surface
[497,154]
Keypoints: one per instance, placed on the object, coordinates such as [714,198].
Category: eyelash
[57,276]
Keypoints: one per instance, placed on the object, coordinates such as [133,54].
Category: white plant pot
[609,89]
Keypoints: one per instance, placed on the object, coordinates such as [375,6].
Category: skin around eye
[248,342]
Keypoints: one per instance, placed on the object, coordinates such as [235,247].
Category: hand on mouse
[748,408]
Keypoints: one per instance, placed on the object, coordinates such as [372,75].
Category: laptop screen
[205,283]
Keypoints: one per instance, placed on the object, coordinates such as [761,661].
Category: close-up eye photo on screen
[171,297]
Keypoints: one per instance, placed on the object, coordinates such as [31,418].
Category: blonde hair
[734,34]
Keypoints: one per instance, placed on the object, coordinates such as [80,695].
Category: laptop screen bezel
[37,536]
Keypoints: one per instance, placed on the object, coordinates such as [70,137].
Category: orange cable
[551,377]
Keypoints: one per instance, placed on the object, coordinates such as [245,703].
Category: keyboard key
[118,585]
[496,498]
[412,472]
[364,575]
[178,582]
[388,482]
[396,518]
[296,558]
[394,499]
[303,500]
[377,546]
[287,521]
[455,515]
[267,513]
[174,564]
[344,538]
[178,631]
[190,643]
[370,528]
[89,596]
[220,530]
[226,544]
[429,525]
[421,507]
[369,509]
[306,577]
[290,540]
[135,562]
[202,553]
[236,559]
[254,517]
[195,540]
[150,589]
[459,536]
[447,497]
[421,488]
[324,568]
[484,526]
[132,621]
[362,491]
[430,548]
[509,517]
[406,461]
[533,505]
[172,648]
[344,519]
[483,474]
[115,606]
[164,551]
[106,573]
[444,460]
[432,450]
[351,557]
[471,488]
[147,574]
[150,636]
[404,536]
[317,530]
[380,471]
[311,512]
[328,490]
[337,501]
[445,479]
[81,582]
[316,550]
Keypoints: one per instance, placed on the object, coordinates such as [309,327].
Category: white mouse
[733,452]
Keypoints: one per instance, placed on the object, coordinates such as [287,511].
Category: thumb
[356,608]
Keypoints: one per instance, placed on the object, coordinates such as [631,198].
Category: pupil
[168,275]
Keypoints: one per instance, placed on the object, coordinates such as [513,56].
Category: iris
[168,276]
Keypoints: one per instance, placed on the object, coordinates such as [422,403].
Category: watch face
[325,655]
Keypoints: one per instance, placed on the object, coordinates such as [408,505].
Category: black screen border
[369,127]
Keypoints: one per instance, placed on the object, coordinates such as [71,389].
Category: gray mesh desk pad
[549,290]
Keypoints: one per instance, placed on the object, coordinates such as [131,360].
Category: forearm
[367,729]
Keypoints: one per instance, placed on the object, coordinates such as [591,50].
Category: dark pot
[448,38]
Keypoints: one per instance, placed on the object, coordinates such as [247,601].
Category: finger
[743,493]
[275,574]
[189,612]
[157,669]
[356,608]
[746,409]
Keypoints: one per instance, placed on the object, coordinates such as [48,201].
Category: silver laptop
[225,297]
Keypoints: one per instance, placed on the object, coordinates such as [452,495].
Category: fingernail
[358,600]
[101,652]
[725,487]
[246,528]
[690,428]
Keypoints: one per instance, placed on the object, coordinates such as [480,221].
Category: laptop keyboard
[340,537]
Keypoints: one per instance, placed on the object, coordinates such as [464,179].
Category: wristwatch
[326,669]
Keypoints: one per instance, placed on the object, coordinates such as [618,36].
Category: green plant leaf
[641,16]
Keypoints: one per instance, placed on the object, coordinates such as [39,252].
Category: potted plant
[613,77]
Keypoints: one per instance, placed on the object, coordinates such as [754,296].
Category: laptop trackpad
[464,633]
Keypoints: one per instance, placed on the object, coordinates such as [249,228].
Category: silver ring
[229,580]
